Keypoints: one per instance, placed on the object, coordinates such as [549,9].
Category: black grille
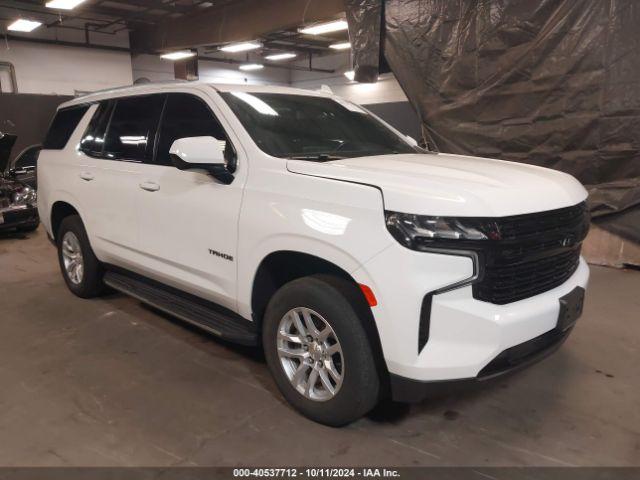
[512,282]
[535,253]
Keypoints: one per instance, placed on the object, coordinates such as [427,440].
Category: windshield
[313,128]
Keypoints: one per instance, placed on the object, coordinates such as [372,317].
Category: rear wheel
[318,351]
[80,268]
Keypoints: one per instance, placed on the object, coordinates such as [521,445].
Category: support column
[186,69]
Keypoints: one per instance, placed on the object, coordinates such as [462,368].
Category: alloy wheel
[310,354]
[72,258]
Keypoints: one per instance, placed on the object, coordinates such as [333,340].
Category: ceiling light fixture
[241,47]
[340,46]
[22,25]
[178,55]
[251,66]
[281,56]
[322,28]
[63,4]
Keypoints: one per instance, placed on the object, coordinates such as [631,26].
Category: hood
[6,144]
[453,185]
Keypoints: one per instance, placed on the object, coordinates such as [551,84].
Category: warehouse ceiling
[156,26]
[108,16]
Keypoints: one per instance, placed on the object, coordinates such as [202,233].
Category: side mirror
[200,153]
[412,141]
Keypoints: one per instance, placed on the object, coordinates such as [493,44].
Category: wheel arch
[283,266]
[60,209]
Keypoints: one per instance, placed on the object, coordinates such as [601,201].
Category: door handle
[150,186]
[88,176]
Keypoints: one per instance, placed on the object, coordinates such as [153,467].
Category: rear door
[58,165]
[119,140]
[188,219]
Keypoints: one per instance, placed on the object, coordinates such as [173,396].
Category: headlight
[24,196]
[420,232]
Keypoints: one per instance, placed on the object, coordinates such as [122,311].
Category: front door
[188,220]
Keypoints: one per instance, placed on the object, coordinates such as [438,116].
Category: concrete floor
[111,382]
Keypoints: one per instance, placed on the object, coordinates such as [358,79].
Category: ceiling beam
[141,15]
[44,41]
[292,45]
[153,4]
[283,66]
[231,22]
[116,13]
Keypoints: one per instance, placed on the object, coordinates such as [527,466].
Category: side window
[62,126]
[186,115]
[93,139]
[132,128]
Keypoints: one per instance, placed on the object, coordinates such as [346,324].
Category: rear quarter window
[62,126]
[93,139]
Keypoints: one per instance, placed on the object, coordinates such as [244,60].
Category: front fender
[339,222]
[291,243]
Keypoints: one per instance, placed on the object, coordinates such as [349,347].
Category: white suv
[364,265]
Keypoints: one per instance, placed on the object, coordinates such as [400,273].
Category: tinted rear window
[64,123]
[93,139]
[132,129]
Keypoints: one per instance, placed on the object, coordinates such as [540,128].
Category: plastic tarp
[615,206]
[554,83]
[365,23]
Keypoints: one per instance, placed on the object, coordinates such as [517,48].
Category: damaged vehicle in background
[18,198]
[23,167]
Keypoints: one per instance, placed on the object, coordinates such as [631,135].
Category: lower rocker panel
[197,311]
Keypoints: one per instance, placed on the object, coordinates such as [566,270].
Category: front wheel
[318,350]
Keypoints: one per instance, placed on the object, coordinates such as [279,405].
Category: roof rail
[134,85]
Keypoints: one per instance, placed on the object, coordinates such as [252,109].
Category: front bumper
[509,361]
[17,217]
[465,334]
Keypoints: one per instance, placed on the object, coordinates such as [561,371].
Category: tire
[89,283]
[329,299]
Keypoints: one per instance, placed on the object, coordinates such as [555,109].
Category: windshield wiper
[321,157]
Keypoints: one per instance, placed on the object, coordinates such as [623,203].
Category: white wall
[61,70]
[229,73]
[386,90]
[156,69]
[151,67]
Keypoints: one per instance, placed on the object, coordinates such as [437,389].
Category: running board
[197,311]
